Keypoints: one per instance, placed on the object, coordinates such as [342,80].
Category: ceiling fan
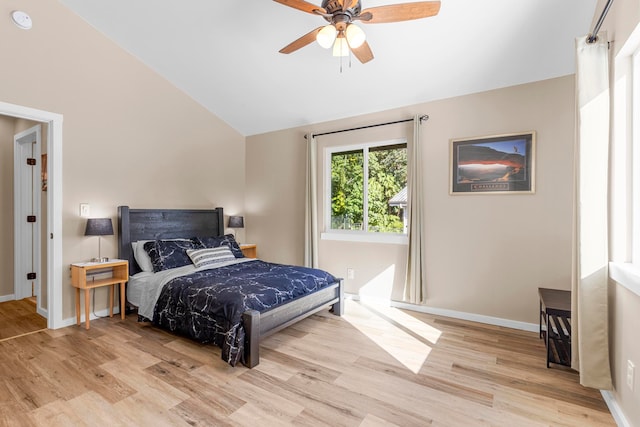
[343,34]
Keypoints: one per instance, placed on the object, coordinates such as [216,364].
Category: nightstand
[249,250]
[119,270]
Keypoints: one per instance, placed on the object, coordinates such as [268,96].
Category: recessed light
[21,19]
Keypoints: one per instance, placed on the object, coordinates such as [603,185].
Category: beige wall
[486,254]
[129,137]
[624,306]
[624,317]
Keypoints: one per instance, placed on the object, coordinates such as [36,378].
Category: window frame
[635,155]
[624,267]
[356,235]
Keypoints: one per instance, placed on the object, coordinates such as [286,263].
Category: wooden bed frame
[151,224]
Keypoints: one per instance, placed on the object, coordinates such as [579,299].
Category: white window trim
[625,265]
[354,235]
[626,274]
[635,152]
[365,237]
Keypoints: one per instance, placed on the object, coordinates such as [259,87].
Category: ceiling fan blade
[400,12]
[301,5]
[310,37]
[363,53]
[348,4]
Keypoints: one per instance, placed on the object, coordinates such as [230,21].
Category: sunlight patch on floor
[405,338]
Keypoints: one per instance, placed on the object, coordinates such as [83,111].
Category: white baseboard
[497,321]
[614,408]
[70,321]
[6,298]
[42,312]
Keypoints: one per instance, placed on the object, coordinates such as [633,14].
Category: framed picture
[493,164]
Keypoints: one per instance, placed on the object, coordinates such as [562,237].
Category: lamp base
[102,259]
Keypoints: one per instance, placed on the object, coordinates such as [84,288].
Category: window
[375,205]
[625,268]
[635,168]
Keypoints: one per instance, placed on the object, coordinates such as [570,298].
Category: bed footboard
[260,325]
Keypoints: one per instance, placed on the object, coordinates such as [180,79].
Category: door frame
[53,235]
[19,214]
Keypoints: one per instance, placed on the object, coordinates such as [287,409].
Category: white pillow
[141,256]
[210,256]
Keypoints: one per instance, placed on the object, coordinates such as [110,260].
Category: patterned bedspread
[207,305]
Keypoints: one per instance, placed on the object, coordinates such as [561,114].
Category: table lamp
[236,221]
[99,227]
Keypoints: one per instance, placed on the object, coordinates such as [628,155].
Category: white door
[26,189]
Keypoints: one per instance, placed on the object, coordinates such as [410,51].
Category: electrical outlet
[351,274]
[85,210]
[630,374]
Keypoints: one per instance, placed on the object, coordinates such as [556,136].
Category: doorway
[27,214]
[53,272]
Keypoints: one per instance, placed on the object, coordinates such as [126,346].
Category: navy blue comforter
[208,305]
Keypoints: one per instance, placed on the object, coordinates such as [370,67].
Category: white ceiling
[224,54]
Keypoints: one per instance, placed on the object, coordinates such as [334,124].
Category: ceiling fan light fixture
[355,36]
[341,47]
[326,36]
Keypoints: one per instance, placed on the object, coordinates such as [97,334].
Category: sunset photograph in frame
[493,164]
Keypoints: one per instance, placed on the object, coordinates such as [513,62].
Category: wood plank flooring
[19,317]
[375,366]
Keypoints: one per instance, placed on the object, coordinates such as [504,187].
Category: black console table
[555,325]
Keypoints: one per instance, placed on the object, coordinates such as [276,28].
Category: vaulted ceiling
[224,54]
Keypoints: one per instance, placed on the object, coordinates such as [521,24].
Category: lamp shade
[341,47]
[326,36]
[236,222]
[355,36]
[99,227]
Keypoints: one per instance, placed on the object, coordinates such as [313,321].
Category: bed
[143,225]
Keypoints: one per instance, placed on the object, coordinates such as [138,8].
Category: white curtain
[311,206]
[590,343]
[415,284]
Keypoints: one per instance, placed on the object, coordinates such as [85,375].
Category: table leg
[540,319]
[546,317]
[122,298]
[111,300]
[77,306]
[86,307]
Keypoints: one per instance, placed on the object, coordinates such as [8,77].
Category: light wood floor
[372,367]
[19,317]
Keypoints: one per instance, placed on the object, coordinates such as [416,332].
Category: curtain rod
[593,36]
[422,118]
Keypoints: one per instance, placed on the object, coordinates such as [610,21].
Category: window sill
[394,239]
[626,274]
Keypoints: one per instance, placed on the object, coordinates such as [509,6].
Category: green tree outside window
[386,170]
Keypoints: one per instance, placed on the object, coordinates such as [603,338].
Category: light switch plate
[85,210]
